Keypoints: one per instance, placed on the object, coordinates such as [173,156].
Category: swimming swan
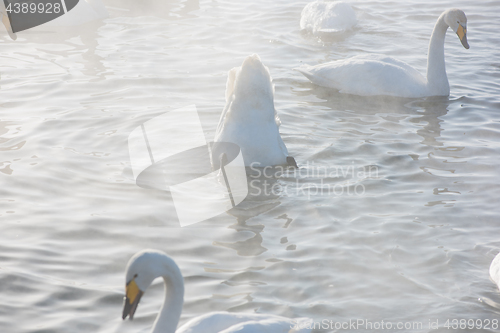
[369,75]
[249,118]
[495,270]
[327,17]
[147,265]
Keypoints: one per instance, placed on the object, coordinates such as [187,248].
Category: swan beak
[462,34]
[132,297]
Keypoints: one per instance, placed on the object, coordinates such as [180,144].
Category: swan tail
[306,72]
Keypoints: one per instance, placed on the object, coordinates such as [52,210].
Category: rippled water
[416,246]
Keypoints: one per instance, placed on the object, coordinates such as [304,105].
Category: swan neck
[171,310]
[436,70]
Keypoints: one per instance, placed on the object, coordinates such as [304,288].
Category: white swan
[369,75]
[249,118]
[147,265]
[495,270]
[327,17]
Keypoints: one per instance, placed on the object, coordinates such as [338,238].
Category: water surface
[416,246]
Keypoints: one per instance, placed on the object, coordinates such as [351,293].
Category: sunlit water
[415,246]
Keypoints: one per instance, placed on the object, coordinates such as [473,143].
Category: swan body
[495,270]
[369,75]
[224,322]
[249,118]
[327,17]
[147,265]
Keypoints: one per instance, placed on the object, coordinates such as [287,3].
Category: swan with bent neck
[147,265]
[370,75]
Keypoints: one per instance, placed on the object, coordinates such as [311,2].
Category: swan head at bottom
[144,267]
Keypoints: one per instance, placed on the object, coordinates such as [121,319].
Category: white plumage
[249,118]
[370,75]
[147,265]
[327,17]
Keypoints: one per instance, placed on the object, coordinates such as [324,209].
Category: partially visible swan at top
[369,75]
[495,270]
[147,265]
[249,118]
[327,17]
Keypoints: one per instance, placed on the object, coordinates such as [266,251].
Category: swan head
[457,21]
[142,269]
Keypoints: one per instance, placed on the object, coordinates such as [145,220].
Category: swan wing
[327,17]
[231,79]
[224,322]
[256,89]
[281,325]
[249,118]
[368,76]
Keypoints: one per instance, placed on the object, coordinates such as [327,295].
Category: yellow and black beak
[462,34]
[132,297]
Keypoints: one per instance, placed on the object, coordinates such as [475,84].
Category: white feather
[249,118]
[369,75]
[147,265]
